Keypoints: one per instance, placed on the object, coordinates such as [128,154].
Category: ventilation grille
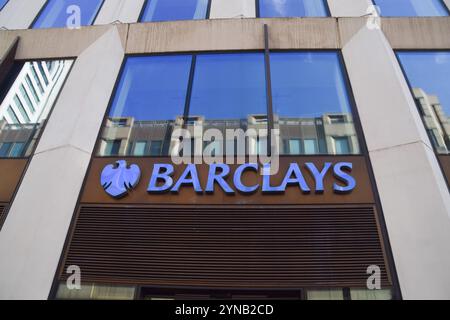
[227,247]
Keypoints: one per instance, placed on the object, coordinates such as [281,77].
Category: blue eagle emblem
[117,179]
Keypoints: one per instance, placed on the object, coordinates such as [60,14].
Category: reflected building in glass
[27,104]
[435,119]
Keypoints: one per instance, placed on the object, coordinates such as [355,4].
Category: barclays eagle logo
[119,178]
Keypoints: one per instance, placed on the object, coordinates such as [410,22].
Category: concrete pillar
[349,8]
[20,14]
[125,11]
[413,192]
[32,238]
[233,9]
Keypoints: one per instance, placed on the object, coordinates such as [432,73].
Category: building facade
[348,98]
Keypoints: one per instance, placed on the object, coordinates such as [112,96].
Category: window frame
[47,2]
[406,17]
[144,6]
[270,125]
[258,12]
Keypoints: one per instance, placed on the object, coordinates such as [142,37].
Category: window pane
[17,150]
[22,119]
[292,8]
[26,97]
[54,14]
[4,149]
[139,148]
[170,10]
[429,74]
[32,88]
[229,92]
[342,146]
[149,102]
[332,294]
[294,146]
[310,101]
[3,3]
[155,148]
[95,292]
[362,294]
[411,8]
[310,146]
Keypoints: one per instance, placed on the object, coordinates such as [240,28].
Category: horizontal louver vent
[256,247]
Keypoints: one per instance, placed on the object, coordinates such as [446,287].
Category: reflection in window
[21,118]
[428,74]
[171,10]
[311,104]
[292,8]
[148,105]
[57,13]
[3,3]
[411,8]
[229,92]
[96,292]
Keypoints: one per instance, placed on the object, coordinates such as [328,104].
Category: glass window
[26,97]
[332,294]
[342,146]
[411,8]
[4,149]
[3,3]
[21,120]
[148,104]
[112,147]
[294,146]
[364,294]
[36,78]
[310,101]
[95,292]
[292,8]
[139,148]
[155,148]
[229,92]
[32,88]
[310,146]
[429,76]
[170,10]
[56,13]
[17,150]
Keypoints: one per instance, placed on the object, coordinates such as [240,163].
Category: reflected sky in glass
[429,71]
[292,8]
[2,3]
[308,85]
[171,10]
[54,14]
[411,8]
[152,88]
[229,86]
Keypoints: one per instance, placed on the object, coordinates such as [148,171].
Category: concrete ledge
[232,34]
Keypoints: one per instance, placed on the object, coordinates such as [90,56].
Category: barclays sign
[119,179]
